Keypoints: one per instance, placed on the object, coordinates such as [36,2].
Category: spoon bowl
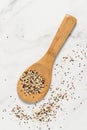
[45,73]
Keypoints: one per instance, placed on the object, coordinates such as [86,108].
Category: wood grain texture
[44,65]
[61,36]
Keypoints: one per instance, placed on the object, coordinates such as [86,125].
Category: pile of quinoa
[32,82]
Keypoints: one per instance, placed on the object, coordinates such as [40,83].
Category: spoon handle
[62,34]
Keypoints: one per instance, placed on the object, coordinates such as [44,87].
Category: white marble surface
[26,31]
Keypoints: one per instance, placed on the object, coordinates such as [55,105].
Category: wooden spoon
[35,80]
